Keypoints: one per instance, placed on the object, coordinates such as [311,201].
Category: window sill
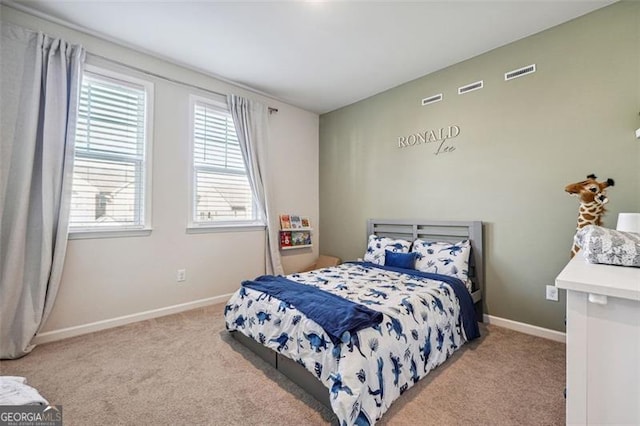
[225,227]
[110,233]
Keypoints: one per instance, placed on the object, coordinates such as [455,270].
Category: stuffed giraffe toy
[593,197]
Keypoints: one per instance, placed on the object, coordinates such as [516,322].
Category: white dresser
[603,343]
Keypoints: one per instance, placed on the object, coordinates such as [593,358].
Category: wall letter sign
[440,137]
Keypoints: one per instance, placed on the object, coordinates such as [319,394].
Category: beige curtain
[250,119]
[40,83]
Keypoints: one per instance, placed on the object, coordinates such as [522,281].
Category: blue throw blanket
[319,306]
[467,310]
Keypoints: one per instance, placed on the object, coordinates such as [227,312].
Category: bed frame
[448,231]
[451,232]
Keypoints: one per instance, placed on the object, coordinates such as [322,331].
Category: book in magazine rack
[445,231]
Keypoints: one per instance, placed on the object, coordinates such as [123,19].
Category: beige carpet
[184,369]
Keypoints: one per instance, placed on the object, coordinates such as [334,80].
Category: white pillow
[443,258]
[378,245]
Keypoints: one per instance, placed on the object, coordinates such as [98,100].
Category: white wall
[107,278]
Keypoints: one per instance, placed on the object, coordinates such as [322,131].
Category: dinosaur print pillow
[443,258]
[603,245]
[378,245]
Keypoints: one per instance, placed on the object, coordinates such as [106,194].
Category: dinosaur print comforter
[367,371]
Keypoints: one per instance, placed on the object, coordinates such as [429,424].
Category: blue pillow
[400,260]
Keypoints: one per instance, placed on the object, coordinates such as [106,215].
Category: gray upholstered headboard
[431,230]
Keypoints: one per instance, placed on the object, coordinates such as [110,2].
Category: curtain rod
[162,77]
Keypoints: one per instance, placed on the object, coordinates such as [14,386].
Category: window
[221,194]
[110,174]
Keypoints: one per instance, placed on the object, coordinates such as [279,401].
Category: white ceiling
[317,55]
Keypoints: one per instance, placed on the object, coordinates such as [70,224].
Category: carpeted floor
[185,369]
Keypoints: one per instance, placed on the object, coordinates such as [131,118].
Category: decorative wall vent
[471,87]
[432,99]
[529,69]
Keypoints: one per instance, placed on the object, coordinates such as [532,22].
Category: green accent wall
[520,143]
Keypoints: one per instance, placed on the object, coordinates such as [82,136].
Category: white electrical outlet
[552,293]
[181,275]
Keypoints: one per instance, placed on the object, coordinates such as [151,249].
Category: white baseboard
[533,330]
[64,333]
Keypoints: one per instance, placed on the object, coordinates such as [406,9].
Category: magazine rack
[295,232]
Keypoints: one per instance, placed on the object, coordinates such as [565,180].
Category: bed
[358,335]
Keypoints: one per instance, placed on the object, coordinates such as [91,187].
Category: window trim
[220,226]
[146,184]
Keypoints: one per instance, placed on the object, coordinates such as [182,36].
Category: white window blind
[221,188]
[109,170]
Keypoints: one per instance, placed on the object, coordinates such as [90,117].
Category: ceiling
[317,55]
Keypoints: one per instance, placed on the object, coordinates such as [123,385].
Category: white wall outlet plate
[552,293]
[181,275]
